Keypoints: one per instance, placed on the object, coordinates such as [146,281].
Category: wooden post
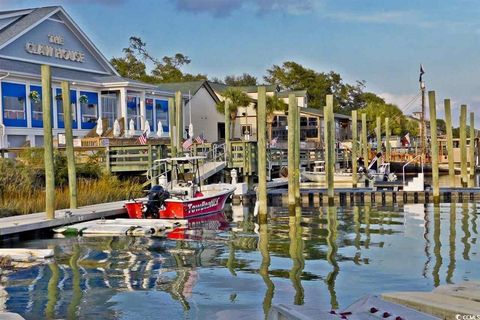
[297,152]
[48,142]
[291,151]
[387,139]
[228,144]
[67,118]
[365,148]
[261,154]
[448,120]
[463,145]
[434,148]
[378,133]
[179,119]
[330,144]
[472,147]
[354,148]
[172,127]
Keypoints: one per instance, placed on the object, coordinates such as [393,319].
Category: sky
[380,42]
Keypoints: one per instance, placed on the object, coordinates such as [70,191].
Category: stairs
[208,169]
[417,184]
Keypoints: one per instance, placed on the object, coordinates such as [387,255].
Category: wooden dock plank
[36,221]
[440,305]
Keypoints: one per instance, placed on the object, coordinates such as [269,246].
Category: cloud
[220,8]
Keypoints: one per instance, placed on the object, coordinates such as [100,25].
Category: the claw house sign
[58,52]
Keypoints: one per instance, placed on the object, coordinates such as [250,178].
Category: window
[14,97]
[60,113]
[246,129]
[161,114]
[36,106]
[312,122]
[149,111]
[109,109]
[303,121]
[133,111]
[89,109]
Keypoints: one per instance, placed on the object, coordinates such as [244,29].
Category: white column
[100,108]
[55,109]
[28,105]
[78,110]
[123,107]
[143,110]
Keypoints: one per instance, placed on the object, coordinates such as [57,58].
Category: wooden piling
[67,118]
[179,119]
[451,164]
[330,145]
[354,148]
[228,144]
[463,145]
[291,150]
[365,148]
[297,152]
[261,154]
[172,127]
[472,148]
[378,134]
[434,146]
[48,142]
[387,140]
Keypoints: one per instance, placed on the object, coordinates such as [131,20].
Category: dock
[317,197]
[445,302]
[36,221]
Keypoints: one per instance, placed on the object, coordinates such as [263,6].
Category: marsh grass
[22,190]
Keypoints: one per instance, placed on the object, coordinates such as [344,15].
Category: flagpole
[422,118]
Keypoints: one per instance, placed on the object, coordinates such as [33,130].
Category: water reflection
[265,264]
[331,255]
[451,241]
[239,267]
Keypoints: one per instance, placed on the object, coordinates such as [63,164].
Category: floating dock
[36,221]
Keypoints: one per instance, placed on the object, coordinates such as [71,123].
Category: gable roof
[189,86]
[30,18]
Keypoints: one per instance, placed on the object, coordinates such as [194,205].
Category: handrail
[403,168]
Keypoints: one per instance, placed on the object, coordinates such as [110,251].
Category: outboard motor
[156,199]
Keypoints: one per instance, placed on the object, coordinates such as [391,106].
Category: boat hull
[321,177]
[177,208]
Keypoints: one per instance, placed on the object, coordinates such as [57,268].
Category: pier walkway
[36,221]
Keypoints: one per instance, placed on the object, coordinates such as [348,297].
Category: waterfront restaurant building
[48,35]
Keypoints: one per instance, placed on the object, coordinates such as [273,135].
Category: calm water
[328,258]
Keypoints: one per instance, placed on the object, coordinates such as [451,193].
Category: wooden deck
[36,221]
[445,302]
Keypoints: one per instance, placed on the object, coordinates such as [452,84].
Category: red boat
[183,197]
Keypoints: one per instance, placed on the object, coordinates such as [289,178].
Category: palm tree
[273,104]
[237,99]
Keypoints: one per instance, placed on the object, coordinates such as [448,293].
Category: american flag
[143,138]
[187,144]
[273,143]
[199,139]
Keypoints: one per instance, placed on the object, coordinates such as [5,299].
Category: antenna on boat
[423,135]
[190,126]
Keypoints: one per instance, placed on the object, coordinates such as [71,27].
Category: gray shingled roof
[185,87]
[24,22]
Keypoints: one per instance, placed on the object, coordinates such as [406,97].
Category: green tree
[377,107]
[293,76]
[240,81]
[274,104]
[237,99]
[167,69]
